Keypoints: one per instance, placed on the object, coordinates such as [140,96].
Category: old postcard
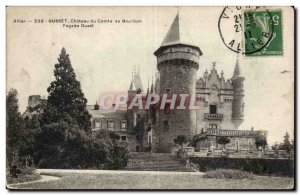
[150,98]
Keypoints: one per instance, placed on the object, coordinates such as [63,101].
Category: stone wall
[177,78]
[236,143]
[34,100]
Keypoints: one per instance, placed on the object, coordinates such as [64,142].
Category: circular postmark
[246,29]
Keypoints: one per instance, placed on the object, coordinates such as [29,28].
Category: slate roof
[177,34]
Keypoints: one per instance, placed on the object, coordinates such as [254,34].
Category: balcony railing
[233,133]
[213,116]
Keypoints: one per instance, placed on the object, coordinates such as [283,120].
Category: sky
[104,56]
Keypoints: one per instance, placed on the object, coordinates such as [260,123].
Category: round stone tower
[177,62]
[238,96]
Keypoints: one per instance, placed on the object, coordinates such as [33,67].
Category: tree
[66,101]
[223,141]
[32,130]
[293,144]
[180,140]
[65,140]
[286,145]
[50,145]
[14,126]
[260,141]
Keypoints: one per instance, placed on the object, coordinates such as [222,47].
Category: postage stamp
[150,98]
[263,32]
[252,31]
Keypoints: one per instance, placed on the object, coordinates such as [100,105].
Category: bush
[228,174]
[21,174]
[258,166]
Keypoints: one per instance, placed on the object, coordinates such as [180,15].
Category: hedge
[259,166]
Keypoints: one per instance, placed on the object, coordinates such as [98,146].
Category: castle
[221,101]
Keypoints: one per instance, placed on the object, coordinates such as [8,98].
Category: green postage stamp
[263,32]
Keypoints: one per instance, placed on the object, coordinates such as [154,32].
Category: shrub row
[259,166]
[228,174]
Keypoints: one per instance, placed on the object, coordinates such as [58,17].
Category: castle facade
[221,103]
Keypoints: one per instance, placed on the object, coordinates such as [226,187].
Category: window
[166,125]
[137,148]
[227,100]
[212,126]
[201,99]
[123,124]
[137,137]
[137,119]
[98,124]
[123,138]
[213,109]
[184,69]
[237,144]
[167,109]
[110,124]
[168,91]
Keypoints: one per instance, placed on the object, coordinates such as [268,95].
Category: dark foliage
[228,174]
[180,140]
[66,101]
[59,134]
[286,144]
[15,125]
[223,140]
[260,141]
[259,166]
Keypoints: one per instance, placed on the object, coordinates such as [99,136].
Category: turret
[131,90]
[34,100]
[238,95]
[96,106]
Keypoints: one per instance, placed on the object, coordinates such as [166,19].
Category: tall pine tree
[286,145]
[66,100]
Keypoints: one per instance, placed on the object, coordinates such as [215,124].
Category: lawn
[153,180]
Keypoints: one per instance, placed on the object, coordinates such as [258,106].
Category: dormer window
[123,124]
[111,124]
[98,124]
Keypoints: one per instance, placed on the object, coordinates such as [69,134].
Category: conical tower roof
[177,34]
[136,83]
[237,69]
[131,87]
[237,73]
